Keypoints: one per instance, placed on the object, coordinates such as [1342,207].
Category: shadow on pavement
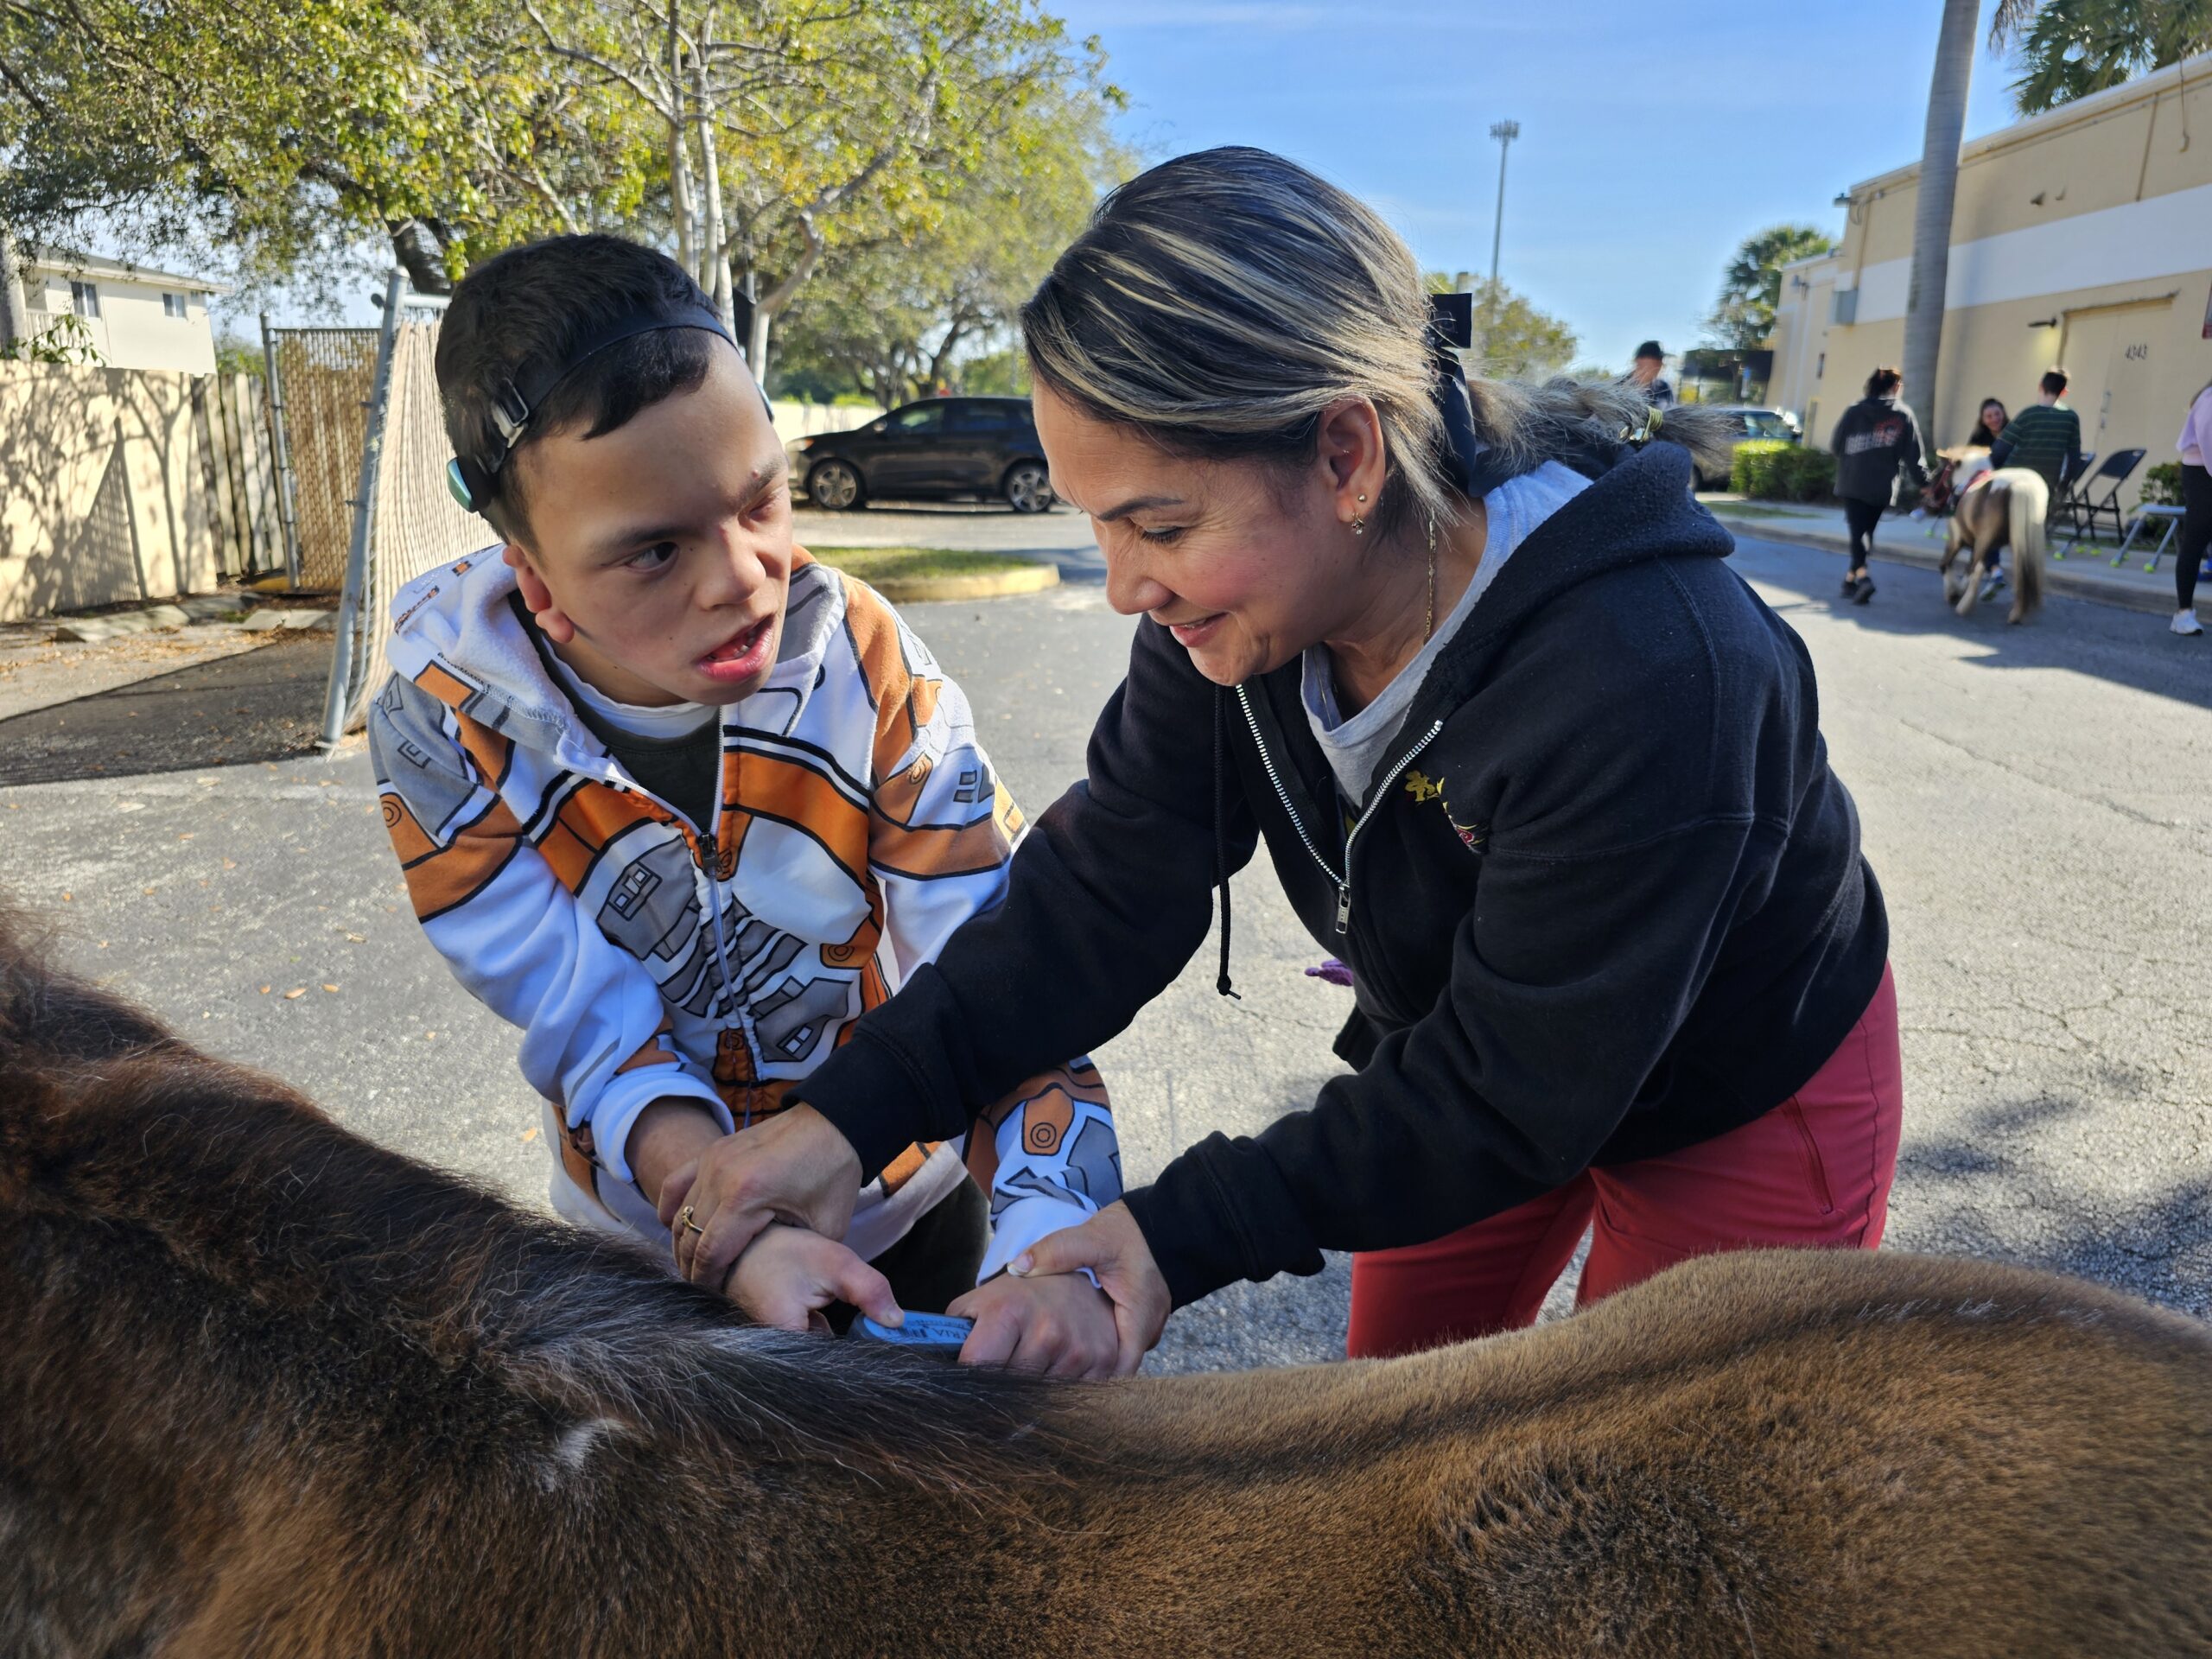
[262,704]
[1987,1193]
[2129,647]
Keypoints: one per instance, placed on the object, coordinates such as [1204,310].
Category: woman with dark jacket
[1988,425]
[1876,438]
[1525,753]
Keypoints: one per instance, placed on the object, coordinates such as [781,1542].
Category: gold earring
[1358,526]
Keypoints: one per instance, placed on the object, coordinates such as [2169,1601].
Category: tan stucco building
[2081,237]
[135,318]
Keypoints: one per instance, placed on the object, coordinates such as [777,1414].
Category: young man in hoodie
[1876,438]
[683,804]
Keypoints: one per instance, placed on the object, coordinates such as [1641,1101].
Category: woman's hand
[1058,1323]
[1112,1245]
[795,1167]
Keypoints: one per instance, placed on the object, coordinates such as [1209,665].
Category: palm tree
[1939,184]
[2070,48]
[1752,286]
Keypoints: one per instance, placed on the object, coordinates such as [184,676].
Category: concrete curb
[2059,578]
[184,613]
[994,584]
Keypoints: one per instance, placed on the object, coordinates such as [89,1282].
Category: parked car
[939,449]
[1773,425]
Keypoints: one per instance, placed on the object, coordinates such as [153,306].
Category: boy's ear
[551,620]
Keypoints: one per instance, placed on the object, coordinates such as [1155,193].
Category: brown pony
[2007,511]
[267,1389]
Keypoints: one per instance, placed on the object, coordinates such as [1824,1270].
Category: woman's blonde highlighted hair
[1221,300]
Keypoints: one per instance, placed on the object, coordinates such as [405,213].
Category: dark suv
[978,446]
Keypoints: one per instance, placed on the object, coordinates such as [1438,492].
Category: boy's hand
[667,1135]
[1059,1324]
[789,1275]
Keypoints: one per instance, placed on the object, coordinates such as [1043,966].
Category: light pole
[1505,132]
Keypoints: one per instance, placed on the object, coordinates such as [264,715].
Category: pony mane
[108,1119]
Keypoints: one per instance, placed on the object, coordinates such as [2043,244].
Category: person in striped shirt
[2045,437]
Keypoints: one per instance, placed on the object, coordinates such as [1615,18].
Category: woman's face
[1992,416]
[1245,563]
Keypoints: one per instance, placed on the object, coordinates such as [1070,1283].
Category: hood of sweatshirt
[457,633]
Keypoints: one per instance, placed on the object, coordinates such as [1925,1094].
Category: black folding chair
[2070,478]
[2085,512]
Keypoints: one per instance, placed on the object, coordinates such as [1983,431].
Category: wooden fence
[123,484]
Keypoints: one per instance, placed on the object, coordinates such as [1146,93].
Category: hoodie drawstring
[1221,836]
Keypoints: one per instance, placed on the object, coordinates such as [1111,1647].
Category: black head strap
[474,479]
[1470,464]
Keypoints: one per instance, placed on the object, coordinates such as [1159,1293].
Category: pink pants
[1814,1171]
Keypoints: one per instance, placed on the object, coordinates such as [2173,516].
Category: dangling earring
[1359,520]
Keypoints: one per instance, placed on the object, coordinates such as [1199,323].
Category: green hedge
[1769,470]
[2162,485]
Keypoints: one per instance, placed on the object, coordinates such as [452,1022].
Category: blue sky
[1653,138]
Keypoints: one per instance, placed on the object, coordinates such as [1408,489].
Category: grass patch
[875,565]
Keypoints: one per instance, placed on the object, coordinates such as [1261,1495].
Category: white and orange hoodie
[858,823]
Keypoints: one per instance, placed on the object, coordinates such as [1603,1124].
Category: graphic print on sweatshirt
[859,824]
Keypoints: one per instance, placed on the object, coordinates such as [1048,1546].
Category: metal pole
[1505,132]
[353,602]
[287,504]
[14,318]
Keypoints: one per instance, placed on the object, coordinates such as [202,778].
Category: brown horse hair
[2006,512]
[271,1390]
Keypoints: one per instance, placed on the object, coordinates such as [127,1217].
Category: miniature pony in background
[2006,512]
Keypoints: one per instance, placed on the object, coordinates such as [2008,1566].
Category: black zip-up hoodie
[1875,437]
[1621,910]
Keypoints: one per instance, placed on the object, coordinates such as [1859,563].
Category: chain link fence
[327,375]
[414,522]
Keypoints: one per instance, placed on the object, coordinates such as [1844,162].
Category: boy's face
[660,555]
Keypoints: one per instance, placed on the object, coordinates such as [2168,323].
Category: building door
[2110,355]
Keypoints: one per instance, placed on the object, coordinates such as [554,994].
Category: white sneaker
[2185,622]
[1992,585]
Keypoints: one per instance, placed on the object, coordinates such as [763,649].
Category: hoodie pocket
[1816,1174]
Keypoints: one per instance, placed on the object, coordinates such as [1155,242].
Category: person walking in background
[1876,438]
[2045,437]
[1645,376]
[2196,445]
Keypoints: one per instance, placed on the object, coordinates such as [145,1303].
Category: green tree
[897,318]
[793,128]
[1513,339]
[1751,285]
[284,130]
[2069,48]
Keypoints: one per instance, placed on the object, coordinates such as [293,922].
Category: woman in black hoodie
[1876,438]
[1525,753]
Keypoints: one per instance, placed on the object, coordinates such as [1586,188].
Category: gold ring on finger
[683,1219]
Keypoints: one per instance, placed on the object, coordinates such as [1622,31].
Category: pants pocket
[1816,1174]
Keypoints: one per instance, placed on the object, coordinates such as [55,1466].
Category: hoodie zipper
[1376,797]
[708,844]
